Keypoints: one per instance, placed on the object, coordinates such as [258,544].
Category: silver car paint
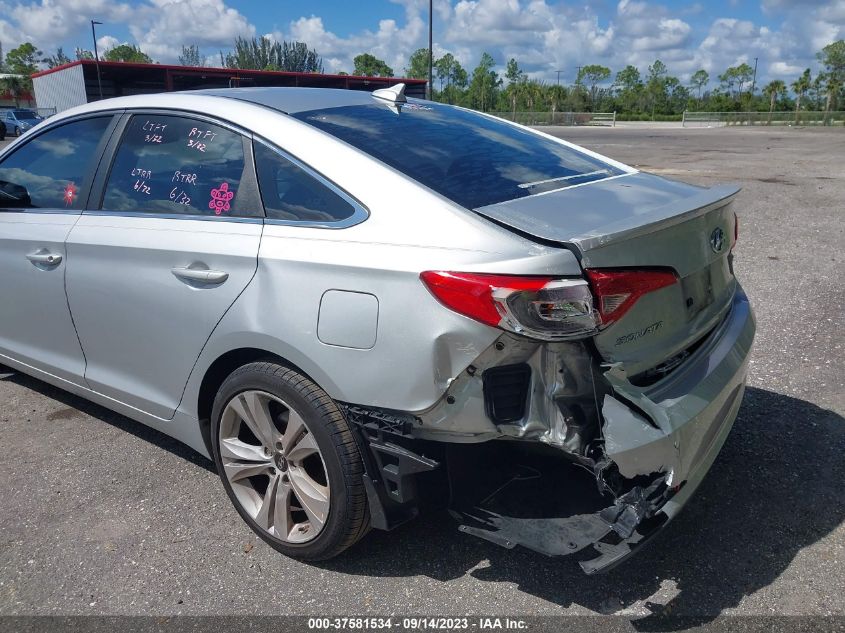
[409,229]
[37,326]
[141,326]
[422,351]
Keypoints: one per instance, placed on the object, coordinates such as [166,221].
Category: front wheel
[17,131]
[289,462]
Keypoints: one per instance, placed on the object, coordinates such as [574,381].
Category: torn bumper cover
[660,439]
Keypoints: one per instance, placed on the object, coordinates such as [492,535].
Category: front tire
[289,462]
[17,131]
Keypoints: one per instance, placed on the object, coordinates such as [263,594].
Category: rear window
[469,158]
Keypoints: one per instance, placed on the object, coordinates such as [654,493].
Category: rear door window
[292,193]
[176,165]
[51,170]
[472,159]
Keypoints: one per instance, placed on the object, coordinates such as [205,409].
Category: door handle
[201,275]
[45,258]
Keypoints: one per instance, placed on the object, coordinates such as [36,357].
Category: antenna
[394,94]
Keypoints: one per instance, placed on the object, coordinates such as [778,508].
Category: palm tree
[773,90]
[533,93]
[556,95]
[15,86]
[516,90]
[833,86]
[801,86]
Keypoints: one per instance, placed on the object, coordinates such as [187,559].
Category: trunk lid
[642,221]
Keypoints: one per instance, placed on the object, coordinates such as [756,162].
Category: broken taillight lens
[617,291]
[540,307]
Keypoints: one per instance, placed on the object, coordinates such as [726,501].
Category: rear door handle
[200,275]
[45,258]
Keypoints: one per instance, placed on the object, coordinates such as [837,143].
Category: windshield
[25,114]
[469,158]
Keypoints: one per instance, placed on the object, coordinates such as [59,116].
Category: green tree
[127,53]
[629,87]
[534,93]
[367,65]
[744,75]
[263,53]
[58,59]
[677,95]
[190,56]
[832,57]
[443,70]
[296,57]
[728,80]
[16,86]
[418,64]
[81,54]
[450,70]
[773,90]
[555,96]
[699,79]
[593,74]
[800,86]
[656,85]
[513,73]
[484,84]
[23,60]
[516,85]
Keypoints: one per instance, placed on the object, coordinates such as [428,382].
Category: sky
[544,36]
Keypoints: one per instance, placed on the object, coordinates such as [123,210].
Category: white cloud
[50,20]
[172,23]
[390,42]
[107,42]
[784,70]
[543,35]
[160,27]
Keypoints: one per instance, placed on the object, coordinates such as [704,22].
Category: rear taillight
[616,291]
[540,307]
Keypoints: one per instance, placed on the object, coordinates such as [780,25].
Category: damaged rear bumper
[657,444]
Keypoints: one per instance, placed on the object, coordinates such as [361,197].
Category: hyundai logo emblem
[717,240]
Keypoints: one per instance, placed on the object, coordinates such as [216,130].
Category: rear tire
[289,462]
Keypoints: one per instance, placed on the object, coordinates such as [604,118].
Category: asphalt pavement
[101,515]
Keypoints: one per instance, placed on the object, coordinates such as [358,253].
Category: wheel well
[217,373]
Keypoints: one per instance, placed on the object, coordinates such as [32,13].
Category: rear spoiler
[604,212]
[675,212]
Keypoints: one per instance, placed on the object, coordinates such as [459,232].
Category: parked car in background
[357,304]
[20,120]
[2,130]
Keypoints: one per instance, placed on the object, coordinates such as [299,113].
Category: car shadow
[774,490]
[110,417]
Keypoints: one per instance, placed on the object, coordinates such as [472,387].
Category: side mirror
[14,196]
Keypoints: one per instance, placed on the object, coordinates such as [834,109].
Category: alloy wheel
[274,466]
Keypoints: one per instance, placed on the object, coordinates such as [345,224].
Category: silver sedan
[361,305]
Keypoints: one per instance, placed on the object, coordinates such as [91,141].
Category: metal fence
[559,118]
[719,119]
